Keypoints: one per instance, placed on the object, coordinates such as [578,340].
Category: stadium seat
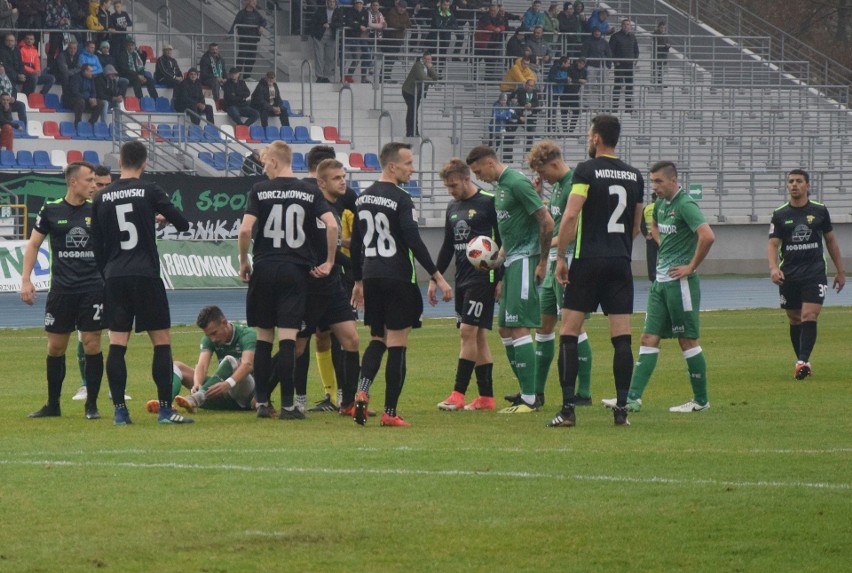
[21,133]
[235,160]
[132,130]
[166,131]
[92,157]
[149,52]
[272,133]
[304,136]
[149,130]
[316,133]
[371,160]
[34,128]
[74,155]
[21,97]
[299,162]
[147,104]
[85,130]
[227,129]
[36,101]
[102,132]
[206,157]
[331,134]
[41,159]
[413,188]
[258,134]
[51,129]
[289,109]
[67,129]
[7,158]
[58,158]
[220,160]
[163,105]
[131,104]
[220,105]
[343,157]
[25,159]
[287,134]
[211,134]
[194,134]
[355,185]
[356,160]
[53,101]
[241,132]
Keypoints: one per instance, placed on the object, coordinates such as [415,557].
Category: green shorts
[519,307]
[673,308]
[552,293]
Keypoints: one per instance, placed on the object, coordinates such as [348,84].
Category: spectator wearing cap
[109,90]
[89,56]
[67,63]
[212,70]
[325,23]
[168,71]
[190,97]
[119,21]
[248,26]
[266,99]
[236,99]
[131,65]
[81,96]
[8,86]
[108,59]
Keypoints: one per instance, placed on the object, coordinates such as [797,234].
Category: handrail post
[310,88]
[383,115]
[423,142]
[351,113]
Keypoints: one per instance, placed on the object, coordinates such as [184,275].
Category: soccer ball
[483,253]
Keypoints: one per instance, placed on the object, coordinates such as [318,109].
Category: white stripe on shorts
[525,279]
[685,297]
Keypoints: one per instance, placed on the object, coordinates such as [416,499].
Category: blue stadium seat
[235,160]
[85,130]
[413,188]
[22,134]
[166,131]
[53,101]
[7,158]
[41,159]
[212,134]
[371,160]
[220,161]
[178,133]
[287,134]
[92,157]
[102,132]
[299,162]
[206,157]
[25,159]
[257,133]
[163,105]
[304,136]
[194,134]
[355,185]
[67,129]
[289,109]
[147,104]
[272,133]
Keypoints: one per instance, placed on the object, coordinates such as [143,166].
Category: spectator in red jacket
[32,67]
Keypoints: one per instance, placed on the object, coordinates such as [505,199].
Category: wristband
[231,382]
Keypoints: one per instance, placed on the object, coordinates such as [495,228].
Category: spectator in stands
[32,67]
[394,37]
[212,70]
[131,65]
[570,23]
[503,120]
[30,17]
[95,23]
[529,105]
[252,164]
[57,17]
[541,55]
[266,99]
[7,86]
[625,53]
[103,20]
[533,17]
[6,10]
[517,75]
[67,63]
[488,39]
[109,90]
[414,90]
[515,46]
[236,99]
[661,47]
[600,20]
[168,71]
[356,40]
[105,56]
[248,26]
[324,25]
[551,22]
[10,55]
[376,24]
[444,24]
[190,97]
[7,124]
[80,96]
[597,53]
[120,22]
[568,79]
[89,56]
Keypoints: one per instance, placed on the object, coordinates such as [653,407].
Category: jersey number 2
[613,226]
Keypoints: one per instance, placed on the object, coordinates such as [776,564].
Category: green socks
[642,371]
[697,368]
[544,350]
[508,343]
[525,364]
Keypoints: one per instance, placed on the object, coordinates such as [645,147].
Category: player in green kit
[675,297]
[526,229]
[546,160]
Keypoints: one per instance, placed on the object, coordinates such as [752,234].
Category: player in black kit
[386,238]
[75,300]
[123,229]
[285,210]
[796,233]
[470,214]
[601,220]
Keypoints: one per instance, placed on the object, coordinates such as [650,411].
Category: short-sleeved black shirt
[465,220]
[801,231]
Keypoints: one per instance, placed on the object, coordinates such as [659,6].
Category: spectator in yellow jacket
[518,75]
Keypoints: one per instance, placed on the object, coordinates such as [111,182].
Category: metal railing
[346,89]
[310,86]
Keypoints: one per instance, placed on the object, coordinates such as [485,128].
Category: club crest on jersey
[88,221]
[77,238]
[471,213]
[810,219]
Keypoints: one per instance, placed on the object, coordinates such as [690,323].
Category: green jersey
[516,200]
[244,339]
[558,201]
[677,221]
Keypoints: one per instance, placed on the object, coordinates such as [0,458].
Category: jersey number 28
[378,228]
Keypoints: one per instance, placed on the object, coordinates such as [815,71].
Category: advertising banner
[12,265]
[199,264]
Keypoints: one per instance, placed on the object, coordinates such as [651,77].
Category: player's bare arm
[706,237]
[833,247]
[201,368]
[243,244]
[567,234]
[775,273]
[245,368]
[28,293]
[545,235]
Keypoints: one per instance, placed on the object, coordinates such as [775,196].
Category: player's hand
[839,282]
[498,290]
[777,276]
[160,219]
[541,271]
[680,272]
[28,292]
[195,388]
[245,271]
[218,389]
[322,270]
[561,271]
[538,184]
[357,295]
[430,293]
[446,290]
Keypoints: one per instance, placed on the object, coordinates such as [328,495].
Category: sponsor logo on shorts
[511,317]
[48,319]
[679,329]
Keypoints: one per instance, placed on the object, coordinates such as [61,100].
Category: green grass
[758,483]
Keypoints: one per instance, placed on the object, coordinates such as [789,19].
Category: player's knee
[621,343]
[687,343]
[232,361]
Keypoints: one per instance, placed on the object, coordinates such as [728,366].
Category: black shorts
[66,313]
[391,304]
[276,295]
[794,293]
[475,305]
[324,307]
[140,298]
[604,282]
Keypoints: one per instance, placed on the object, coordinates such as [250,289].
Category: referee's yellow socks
[326,371]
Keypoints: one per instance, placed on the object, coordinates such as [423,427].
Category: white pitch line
[443,473]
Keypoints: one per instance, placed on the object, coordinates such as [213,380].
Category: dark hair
[801,172]
[390,152]
[102,170]
[608,127]
[133,155]
[72,168]
[208,314]
[668,167]
[317,154]
[480,152]
[212,45]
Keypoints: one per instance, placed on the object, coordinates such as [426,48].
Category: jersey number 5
[613,226]
[378,227]
[121,212]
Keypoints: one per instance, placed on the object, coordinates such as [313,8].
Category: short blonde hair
[454,166]
[280,150]
[543,153]
[327,165]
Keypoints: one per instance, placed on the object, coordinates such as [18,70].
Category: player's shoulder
[781,208]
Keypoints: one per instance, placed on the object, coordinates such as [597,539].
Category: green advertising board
[199,264]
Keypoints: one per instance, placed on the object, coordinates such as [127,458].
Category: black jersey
[286,210]
[123,227]
[73,269]
[801,231]
[612,189]
[465,220]
[386,237]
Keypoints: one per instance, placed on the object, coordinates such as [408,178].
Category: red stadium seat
[356,160]
[241,132]
[131,103]
[36,101]
[51,129]
[149,51]
[74,155]
[331,134]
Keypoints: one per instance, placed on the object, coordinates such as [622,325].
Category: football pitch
[760,482]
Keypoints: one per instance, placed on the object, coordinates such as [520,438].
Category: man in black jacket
[325,23]
[189,96]
[67,63]
[109,90]
[80,96]
[236,99]
[527,110]
[625,52]
[248,25]
[131,65]
[168,71]
[212,70]
[266,99]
